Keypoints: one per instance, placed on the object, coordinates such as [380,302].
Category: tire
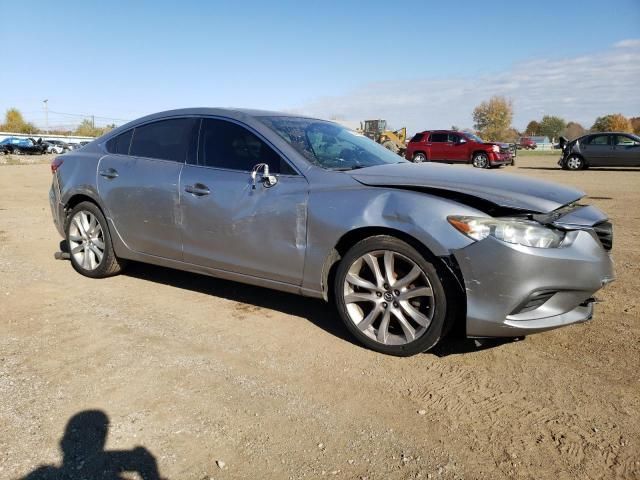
[575,162]
[419,157]
[420,300]
[85,239]
[389,145]
[480,160]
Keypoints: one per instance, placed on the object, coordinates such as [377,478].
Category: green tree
[574,130]
[492,119]
[87,129]
[552,127]
[14,122]
[533,128]
[612,123]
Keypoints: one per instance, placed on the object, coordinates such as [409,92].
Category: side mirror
[267,180]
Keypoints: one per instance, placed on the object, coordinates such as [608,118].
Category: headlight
[496,148]
[510,230]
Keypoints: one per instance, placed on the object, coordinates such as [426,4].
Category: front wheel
[574,162]
[481,160]
[390,298]
[89,242]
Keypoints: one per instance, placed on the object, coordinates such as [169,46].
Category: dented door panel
[260,232]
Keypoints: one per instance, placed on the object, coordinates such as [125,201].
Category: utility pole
[93,122]
[46,115]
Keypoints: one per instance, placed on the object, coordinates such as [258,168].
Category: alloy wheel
[574,163]
[388,297]
[480,161]
[86,240]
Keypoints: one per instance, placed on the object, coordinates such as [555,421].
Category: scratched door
[229,225]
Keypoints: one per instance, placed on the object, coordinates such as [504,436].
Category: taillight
[55,165]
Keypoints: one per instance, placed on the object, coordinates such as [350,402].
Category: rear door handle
[109,173]
[197,189]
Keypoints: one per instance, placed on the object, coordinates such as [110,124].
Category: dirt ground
[213,379]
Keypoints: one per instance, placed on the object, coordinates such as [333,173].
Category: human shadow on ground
[84,456]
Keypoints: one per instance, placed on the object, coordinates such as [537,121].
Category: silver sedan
[405,251]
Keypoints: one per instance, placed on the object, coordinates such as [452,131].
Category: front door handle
[197,189]
[109,173]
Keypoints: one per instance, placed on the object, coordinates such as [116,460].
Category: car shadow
[84,455]
[458,345]
[590,169]
[320,313]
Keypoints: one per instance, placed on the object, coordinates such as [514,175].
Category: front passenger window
[228,145]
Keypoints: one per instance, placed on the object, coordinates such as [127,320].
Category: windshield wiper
[346,169]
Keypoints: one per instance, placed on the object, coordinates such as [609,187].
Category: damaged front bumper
[514,290]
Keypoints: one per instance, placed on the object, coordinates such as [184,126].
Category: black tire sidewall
[437,328]
[109,254]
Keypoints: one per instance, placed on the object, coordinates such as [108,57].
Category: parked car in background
[23,146]
[53,148]
[451,146]
[64,145]
[610,149]
[527,143]
[310,207]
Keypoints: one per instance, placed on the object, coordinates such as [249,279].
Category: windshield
[473,137]
[329,145]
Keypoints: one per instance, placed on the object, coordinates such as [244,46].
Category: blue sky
[423,64]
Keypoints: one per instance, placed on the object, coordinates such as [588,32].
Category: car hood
[502,189]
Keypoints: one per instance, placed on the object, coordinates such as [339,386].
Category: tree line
[14,122]
[492,120]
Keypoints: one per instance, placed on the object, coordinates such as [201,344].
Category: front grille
[536,300]
[604,231]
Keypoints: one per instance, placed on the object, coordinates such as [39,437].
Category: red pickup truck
[451,146]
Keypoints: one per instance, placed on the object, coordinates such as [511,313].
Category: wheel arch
[447,267]
[422,151]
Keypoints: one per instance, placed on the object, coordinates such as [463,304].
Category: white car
[53,148]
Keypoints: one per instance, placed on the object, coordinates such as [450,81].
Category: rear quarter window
[418,137]
[120,144]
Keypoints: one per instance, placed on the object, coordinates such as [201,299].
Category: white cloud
[577,89]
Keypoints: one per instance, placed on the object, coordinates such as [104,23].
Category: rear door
[439,143]
[626,150]
[230,225]
[138,182]
[598,150]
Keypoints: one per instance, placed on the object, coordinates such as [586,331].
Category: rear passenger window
[228,145]
[165,139]
[599,140]
[120,144]
[439,137]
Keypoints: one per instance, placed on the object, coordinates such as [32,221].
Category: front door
[458,150]
[138,182]
[230,225]
[597,151]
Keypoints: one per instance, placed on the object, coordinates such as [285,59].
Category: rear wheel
[389,297]
[480,160]
[419,157]
[89,242]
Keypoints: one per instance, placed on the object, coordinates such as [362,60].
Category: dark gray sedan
[601,150]
[306,206]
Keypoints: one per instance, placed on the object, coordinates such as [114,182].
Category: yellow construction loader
[394,140]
